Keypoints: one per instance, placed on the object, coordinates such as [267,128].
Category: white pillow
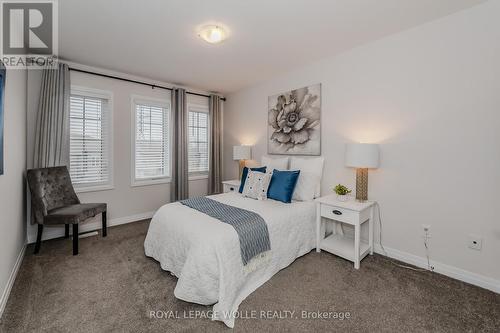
[256,185]
[275,163]
[308,166]
[305,189]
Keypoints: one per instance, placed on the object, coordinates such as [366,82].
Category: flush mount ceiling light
[212,34]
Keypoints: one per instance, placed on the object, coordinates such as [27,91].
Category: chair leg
[104,226]
[38,238]
[75,239]
[66,231]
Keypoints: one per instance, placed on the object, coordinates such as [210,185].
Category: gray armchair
[54,201]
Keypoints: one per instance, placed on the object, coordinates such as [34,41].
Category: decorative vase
[342,198]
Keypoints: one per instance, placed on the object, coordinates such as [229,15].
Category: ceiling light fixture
[212,34]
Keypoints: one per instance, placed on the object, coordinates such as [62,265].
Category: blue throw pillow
[244,175]
[282,185]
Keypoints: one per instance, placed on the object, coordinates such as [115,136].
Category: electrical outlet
[427,232]
[475,242]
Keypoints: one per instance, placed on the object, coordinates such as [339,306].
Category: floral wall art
[294,122]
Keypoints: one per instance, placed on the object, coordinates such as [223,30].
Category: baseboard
[451,271]
[56,232]
[10,282]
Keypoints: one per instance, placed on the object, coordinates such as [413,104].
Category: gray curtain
[52,122]
[179,187]
[215,151]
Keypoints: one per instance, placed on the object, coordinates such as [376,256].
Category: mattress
[204,253]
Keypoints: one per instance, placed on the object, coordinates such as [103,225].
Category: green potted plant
[342,192]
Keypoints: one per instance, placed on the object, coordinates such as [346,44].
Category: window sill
[197,177]
[96,188]
[147,182]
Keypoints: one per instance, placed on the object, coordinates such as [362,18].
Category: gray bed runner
[250,227]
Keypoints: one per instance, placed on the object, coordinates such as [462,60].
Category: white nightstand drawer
[230,186]
[340,214]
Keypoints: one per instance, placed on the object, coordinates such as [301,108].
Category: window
[198,139]
[90,163]
[151,141]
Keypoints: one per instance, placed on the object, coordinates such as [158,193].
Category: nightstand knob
[231,189]
[337,212]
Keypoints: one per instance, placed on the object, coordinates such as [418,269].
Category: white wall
[125,203]
[12,184]
[430,97]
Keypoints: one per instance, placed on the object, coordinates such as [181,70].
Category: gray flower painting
[294,123]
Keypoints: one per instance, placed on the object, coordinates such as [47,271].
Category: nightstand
[231,185]
[350,212]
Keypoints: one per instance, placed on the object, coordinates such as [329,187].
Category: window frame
[156,102]
[108,96]
[195,107]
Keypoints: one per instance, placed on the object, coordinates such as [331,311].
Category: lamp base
[242,165]
[362,184]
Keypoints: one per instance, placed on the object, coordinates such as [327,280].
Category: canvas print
[2,96]
[294,122]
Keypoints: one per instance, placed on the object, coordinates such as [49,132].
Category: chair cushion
[74,214]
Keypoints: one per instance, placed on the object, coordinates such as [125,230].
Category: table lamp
[362,156]
[242,153]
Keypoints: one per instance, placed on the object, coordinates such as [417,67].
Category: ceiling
[157,39]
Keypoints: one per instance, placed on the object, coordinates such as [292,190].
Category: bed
[204,253]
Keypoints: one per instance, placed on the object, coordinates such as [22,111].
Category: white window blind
[198,141]
[152,153]
[89,141]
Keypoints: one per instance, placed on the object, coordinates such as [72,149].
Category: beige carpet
[112,287]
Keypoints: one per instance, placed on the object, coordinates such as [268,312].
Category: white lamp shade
[362,155]
[242,153]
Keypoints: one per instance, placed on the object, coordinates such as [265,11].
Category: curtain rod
[137,82]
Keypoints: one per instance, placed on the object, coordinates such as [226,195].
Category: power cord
[426,245]
[426,239]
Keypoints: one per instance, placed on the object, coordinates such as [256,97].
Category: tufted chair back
[50,188]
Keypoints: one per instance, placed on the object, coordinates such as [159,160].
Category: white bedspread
[204,253]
